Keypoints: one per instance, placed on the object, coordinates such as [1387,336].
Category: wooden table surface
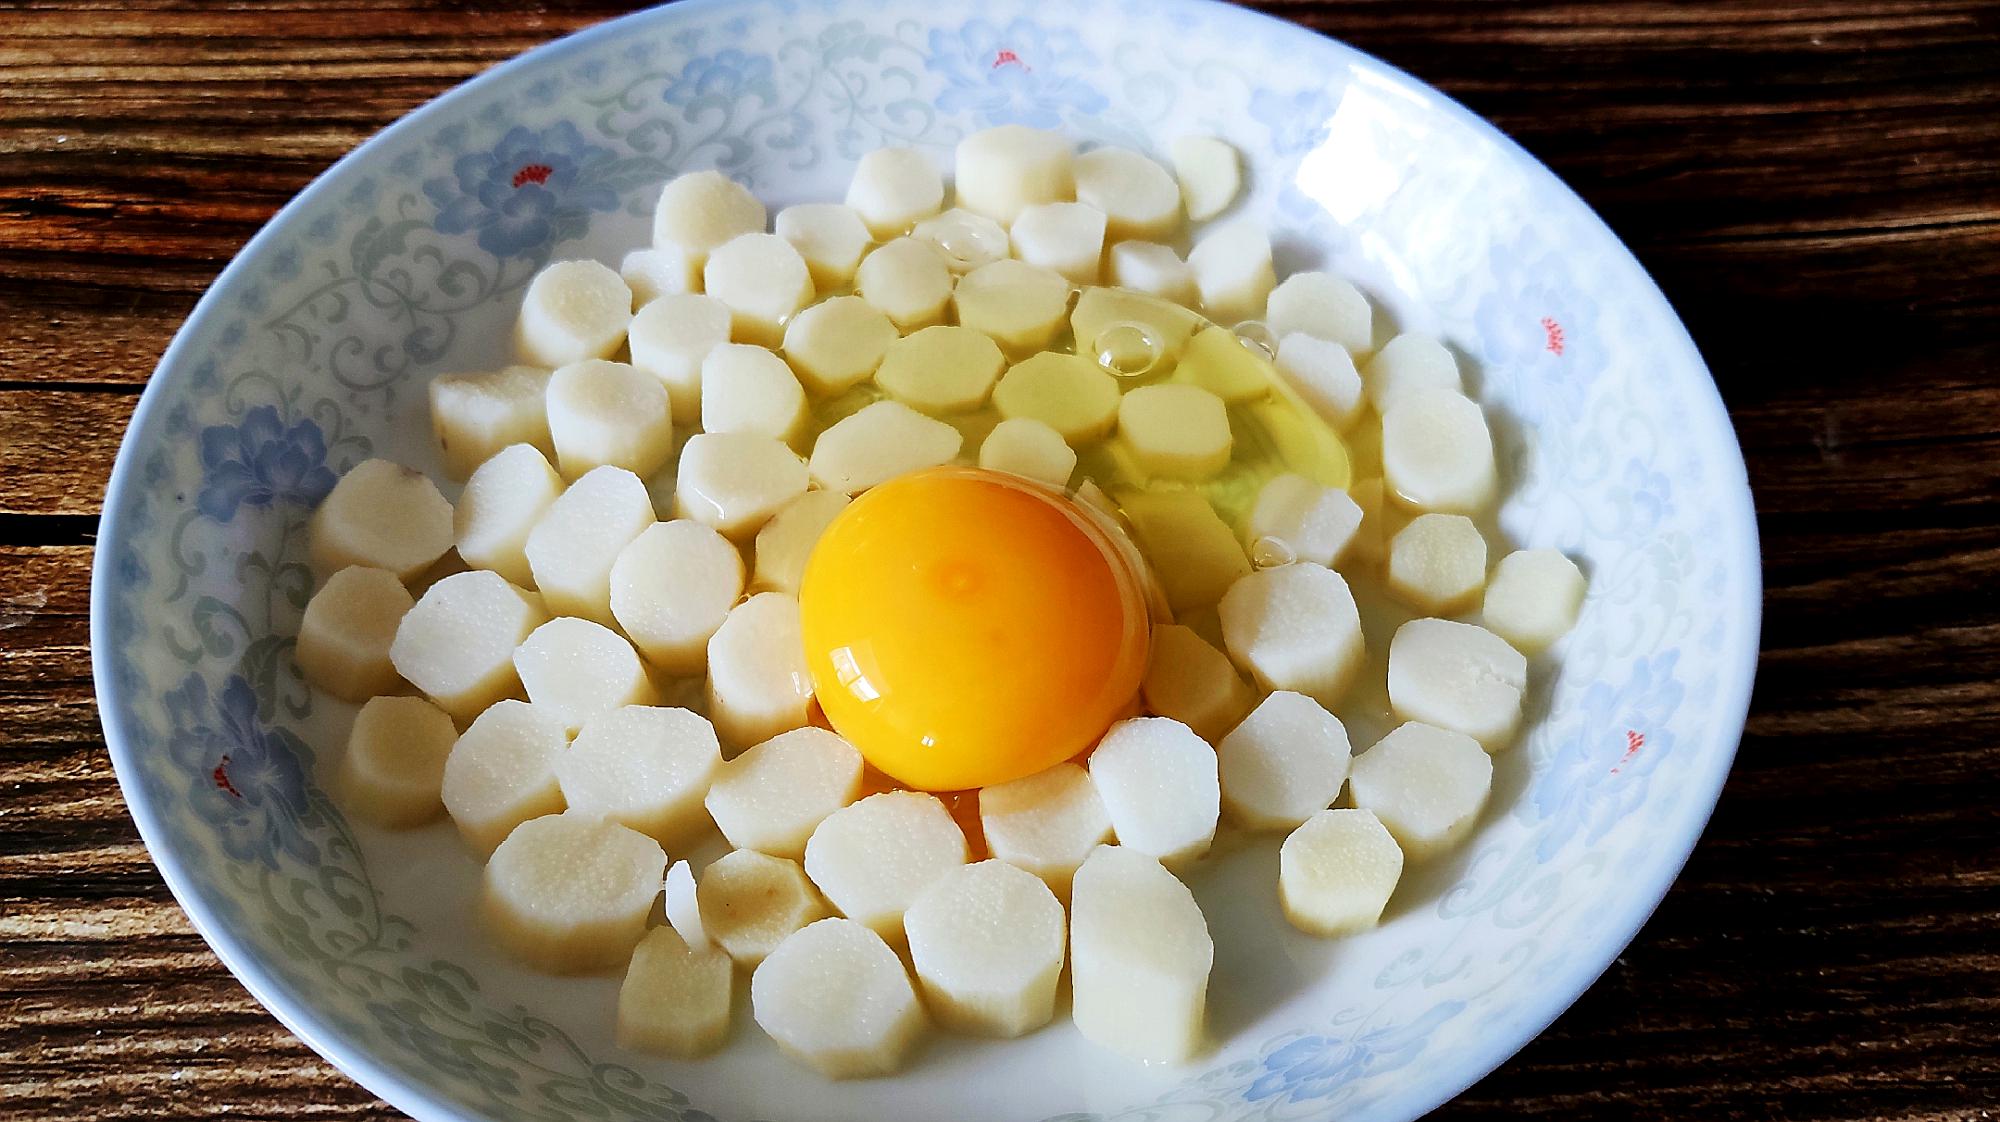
[1816,186]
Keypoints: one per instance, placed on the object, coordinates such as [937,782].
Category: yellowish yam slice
[878,443]
[476,415]
[758,683]
[1210,173]
[502,501]
[1158,783]
[1533,598]
[784,543]
[751,901]
[831,237]
[836,998]
[671,588]
[572,549]
[1175,431]
[1195,684]
[647,767]
[382,515]
[569,893]
[1283,763]
[1003,170]
[457,643]
[894,187]
[837,344]
[502,772]
[393,771]
[1295,627]
[773,796]
[1232,269]
[941,369]
[1018,305]
[1336,872]
[986,942]
[735,481]
[1437,563]
[908,279]
[871,859]
[1046,823]
[573,310]
[675,1000]
[348,627]
[1192,551]
[1026,447]
[1140,955]
[701,210]
[1426,784]
[1139,198]
[609,413]
[1067,238]
[1066,392]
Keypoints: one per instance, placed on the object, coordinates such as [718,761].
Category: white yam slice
[1232,270]
[837,343]
[1132,332]
[1297,519]
[1437,453]
[569,893]
[986,942]
[773,796]
[1176,431]
[787,540]
[758,684]
[1437,563]
[763,280]
[1284,763]
[1067,238]
[878,443]
[908,279]
[571,550]
[1158,782]
[1140,954]
[393,771]
[751,901]
[671,337]
[659,271]
[345,635]
[1001,171]
[746,388]
[457,643]
[1457,676]
[1533,598]
[1337,871]
[682,903]
[573,310]
[735,481]
[675,1000]
[1322,305]
[967,240]
[382,515]
[1067,392]
[1046,823]
[609,413]
[476,415]
[1020,306]
[871,859]
[1294,627]
[1195,684]
[892,188]
[1210,174]
[941,369]
[1030,448]
[1192,551]
[836,998]
[647,767]
[701,210]
[499,507]
[575,670]
[1153,269]
[830,237]
[671,588]
[1426,784]
[1139,198]
[1410,362]
[1323,373]
[502,772]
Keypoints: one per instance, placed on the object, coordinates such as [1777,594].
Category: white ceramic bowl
[311,351]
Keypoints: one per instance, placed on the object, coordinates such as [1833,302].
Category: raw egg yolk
[966,627]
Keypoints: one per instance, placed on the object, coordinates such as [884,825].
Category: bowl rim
[1533,1017]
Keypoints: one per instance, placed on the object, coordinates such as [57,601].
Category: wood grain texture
[1814,184]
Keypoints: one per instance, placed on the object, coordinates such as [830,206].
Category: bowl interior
[407,259]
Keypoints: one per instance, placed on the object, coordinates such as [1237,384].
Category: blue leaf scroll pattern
[1319,1068]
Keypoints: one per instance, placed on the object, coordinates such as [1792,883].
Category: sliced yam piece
[1323,373]
[1068,393]
[1175,431]
[747,388]
[1299,520]
[569,893]
[758,684]
[348,627]
[1210,173]
[1154,269]
[1283,763]
[1140,954]
[382,515]
[1067,238]
[1018,305]
[1437,563]
[1371,541]
[908,279]
[1322,305]
[1105,320]
[682,904]
[967,240]
[1001,171]
[986,942]
[502,501]
[675,1000]
[701,210]
[1195,684]
[835,998]
[457,643]
[1094,497]
[609,413]
[1457,676]
[773,796]
[1139,198]
[671,588]
[646,767]
[476,415]
[751,901]
[1533,598]
[576,670]
[572,549]
[1191,550]
[1426,784]
[1046,823]
[1026,447]
[1437,453]
[1410,362]
[502,772]
[871,859]
[659,271]
[837,344]
[830,237]
[735,481]
[788,538]
[878,443]
[941,369]
[1336,872]
[671,338]
[1295,627]
[393,771]
[894,187]
[1223,363]
[1232,269]
[573,310]
[764,282]
[1158,782]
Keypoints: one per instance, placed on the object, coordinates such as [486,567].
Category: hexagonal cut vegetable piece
[476,415]
[1140,954]
[1232,268]
[671,337]
[457,643]
[573,310]
[1153,269]
[908,279]
[986,942]
[1437,563]
[393,771]
[1302,520]
[878,443]
[967,240]
[671,588]
[830,237]
[941,369]
[1457,676]
[1195,684]
[1283,763]
[1426,784]
[1030,448]
[1191,549]
[1068,393]
[1295,627]
[1337,871]
[575,670]
[1323,373]
[1065,237]
[1139,198]
[1324,305]
[1210,173]
[1103,315]
[872,858]
[773,796]
[675,1000]
[1410,362]
[758,684]
[499,507]
[382,515]
[735,481]
[645,767]
[746,388]
[1001,171]
[1221,362]
[788,538]
[349,624]
[659,271]
[1020,306]
[836,998]
[1175,431]
[837,344]
[571,550]
[609,413]
[763,280]
[893,187]
[1047,823]
[701,210]
[1437,453]
[1533,598]
[751,901]
[502,772]
[569,892]
[1158,783]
